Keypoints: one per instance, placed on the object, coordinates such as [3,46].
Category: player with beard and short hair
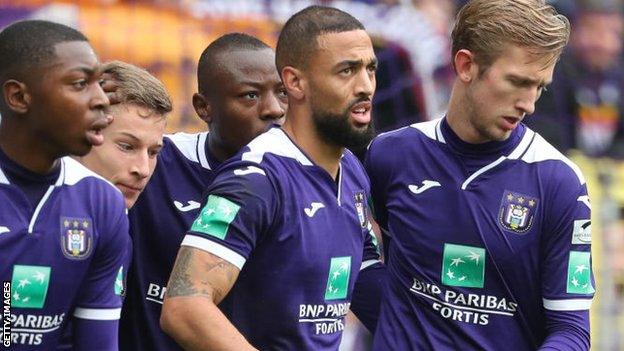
[272,259]
[490,224]
[239,96]
[63,230]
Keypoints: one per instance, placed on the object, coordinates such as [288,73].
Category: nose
[526,103]
[141,165]
[272,108]
[99,100]
[365,85]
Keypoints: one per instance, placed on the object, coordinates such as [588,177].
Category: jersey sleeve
[567,278]
[239,208]
[374,166]
[100,296]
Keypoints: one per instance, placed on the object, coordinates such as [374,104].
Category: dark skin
[245,96]
[56,110]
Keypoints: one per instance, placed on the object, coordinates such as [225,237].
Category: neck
[303,132]
[457,116]
[24,149]
[218,149]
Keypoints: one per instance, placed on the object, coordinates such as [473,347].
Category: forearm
[197,324]
[94,334]
[567,330]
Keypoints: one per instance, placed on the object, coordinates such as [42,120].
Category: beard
[336,128]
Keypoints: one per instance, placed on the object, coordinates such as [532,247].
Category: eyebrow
[528,80]
[360,62]
[131,136]
[257,84]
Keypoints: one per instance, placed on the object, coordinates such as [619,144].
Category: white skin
[489,106]
[127,158]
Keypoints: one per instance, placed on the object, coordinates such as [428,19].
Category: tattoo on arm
[201,274]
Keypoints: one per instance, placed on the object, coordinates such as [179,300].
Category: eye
[125,147]
[347,71]
[154,153]
[251,95]
[282,94]
[79,84]
[372,68]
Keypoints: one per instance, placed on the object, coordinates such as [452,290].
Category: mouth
[129,189]
[94,133]
[360,112]
[510,123]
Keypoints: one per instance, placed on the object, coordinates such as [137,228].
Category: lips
[360,112]
[510,123]
[94,133]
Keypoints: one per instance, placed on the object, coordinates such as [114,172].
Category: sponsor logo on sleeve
[119,281]
[215,218]
[581,234]
[579,273]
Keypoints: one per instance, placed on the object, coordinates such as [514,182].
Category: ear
[465,65]
[202,107]
[16,96]
[294,82]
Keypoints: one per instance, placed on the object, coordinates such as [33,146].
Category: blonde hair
[486,27]
[137,86]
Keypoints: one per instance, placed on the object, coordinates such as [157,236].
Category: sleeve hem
[567,305]
[98,314]
[215,249]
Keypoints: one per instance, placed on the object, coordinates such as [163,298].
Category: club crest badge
[517,212]
[360,208]
[76,237]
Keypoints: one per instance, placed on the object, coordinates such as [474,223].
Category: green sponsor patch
[29,286]
[119,288]
[338,278]
[579,273]
[215,217]
[463,266]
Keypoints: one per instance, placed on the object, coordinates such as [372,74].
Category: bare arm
[198,282]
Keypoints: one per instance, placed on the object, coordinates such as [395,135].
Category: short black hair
[297,40]
[26,44]
[208,63]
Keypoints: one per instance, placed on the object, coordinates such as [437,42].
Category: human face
[498,99]
[249,99]
[597,39]
[127,157]
[341,77]
[67,106]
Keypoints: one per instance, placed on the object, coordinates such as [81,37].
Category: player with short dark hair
[63,230]
[284,232]
[239,96]
[490,224]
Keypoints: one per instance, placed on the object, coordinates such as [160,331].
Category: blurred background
[582,113]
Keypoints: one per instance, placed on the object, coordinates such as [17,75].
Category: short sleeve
[239,208]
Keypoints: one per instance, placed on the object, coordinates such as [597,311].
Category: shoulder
[73,172]
[429,130]
[190,146]
[542,153]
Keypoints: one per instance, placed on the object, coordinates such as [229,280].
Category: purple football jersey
[486,240]
[158,222]
[65,257]
[299,237]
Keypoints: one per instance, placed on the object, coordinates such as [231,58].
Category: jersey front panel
[158,222]
[475,258]
[299,237]
[65,257]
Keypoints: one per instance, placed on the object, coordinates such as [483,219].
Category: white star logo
[574,282]
[39,276]
[226,210]
[23,283]
[462,278]
[336,274]
[209,212]
[344,266]
[26,299]
[457,261]
[450,274]
[16,296]
[474,257]
[580,268]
